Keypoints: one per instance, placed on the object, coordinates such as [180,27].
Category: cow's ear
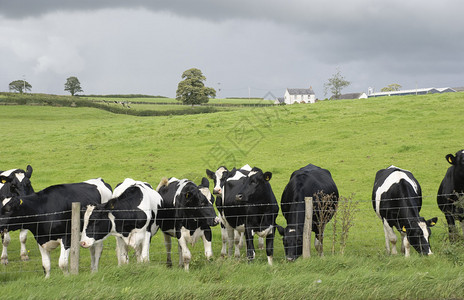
[431,222]
[280,229]
[29,171]
[267,176]
[451,159]
[210,174]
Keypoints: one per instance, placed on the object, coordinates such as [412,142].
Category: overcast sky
[242,47]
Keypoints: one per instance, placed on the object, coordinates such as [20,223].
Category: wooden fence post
[75,237]
[308,224]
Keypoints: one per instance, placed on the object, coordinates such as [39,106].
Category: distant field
[351,138]
[233,101]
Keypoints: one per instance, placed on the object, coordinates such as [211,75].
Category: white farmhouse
[299,96]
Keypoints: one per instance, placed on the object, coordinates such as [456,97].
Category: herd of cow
[134,211]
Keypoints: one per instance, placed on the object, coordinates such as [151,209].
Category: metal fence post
[307,227]
[75,237]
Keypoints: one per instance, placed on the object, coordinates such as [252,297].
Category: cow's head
[292,236]
[219,177]
[419,235]
[192,204]
[16,182]
[254,186]
[11,207]
[457,159]
[97,223]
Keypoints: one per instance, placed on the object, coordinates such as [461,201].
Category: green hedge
[68,101]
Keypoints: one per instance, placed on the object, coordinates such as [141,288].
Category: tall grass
[353,139]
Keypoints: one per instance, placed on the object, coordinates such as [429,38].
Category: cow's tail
[163,182]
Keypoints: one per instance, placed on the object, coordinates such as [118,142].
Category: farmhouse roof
[301,91]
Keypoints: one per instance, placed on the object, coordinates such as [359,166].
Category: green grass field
[353,139]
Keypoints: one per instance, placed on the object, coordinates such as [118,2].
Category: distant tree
[391,88]
[335,85]
[73,85]
[191,90]
[20,86]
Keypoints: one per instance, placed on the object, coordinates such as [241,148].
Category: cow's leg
[5,242]
[168,246]
[270,246]
[22,241]
[239,238]
[184,253]
[250,245]
[319,241]
[230,237]
[405,245]
[390,237]
[224,241]
[63,262]
[45,260]
[260,243]
[145,255]
[95,253]
[453,233]
[207,238]
[122,251]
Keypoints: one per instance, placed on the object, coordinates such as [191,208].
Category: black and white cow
[47,214]
[219,178]
[397,200]
[249,206]
[449,192]
[129,215]
[15,182]
[309,181]
[186,214]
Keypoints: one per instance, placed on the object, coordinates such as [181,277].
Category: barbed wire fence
[354,224]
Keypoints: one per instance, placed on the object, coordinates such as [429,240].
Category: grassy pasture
[353,139]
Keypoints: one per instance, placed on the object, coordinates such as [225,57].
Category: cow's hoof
[4,261]
[25,257]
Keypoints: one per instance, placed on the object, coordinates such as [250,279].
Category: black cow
[250,207]
[397,200]
[309,181]
[15,182]
[187,214]
[129,215]
[47,214]
[449,192]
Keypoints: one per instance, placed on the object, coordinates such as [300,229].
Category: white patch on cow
[236,176]
[263,233]
[20,176]
[205,191]
[252,173]
[219,173]
[240,228]
[105,192]
[423,226]
[246,168]
[5,201]
[7,173]
[87,214]
[393,178]
[182,183]
[291,230]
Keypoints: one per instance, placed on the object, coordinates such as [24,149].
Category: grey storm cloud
[393,40]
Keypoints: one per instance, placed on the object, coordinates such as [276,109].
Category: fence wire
[364,219]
